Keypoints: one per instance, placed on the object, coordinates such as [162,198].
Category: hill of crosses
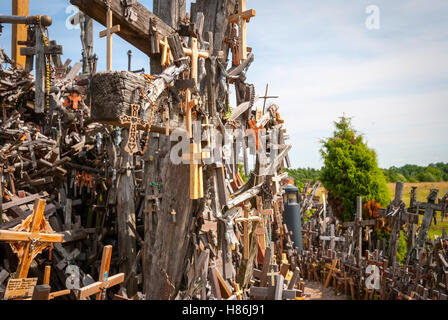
[126,185]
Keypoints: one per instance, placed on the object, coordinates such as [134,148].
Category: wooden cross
[274,292]
[40,50]
[309,235]
[104,281]
[245,220]
[165,60]
[331,268]
[254,130]
[241,18]
[133,121]
[261,228]
[358,225]
[196,185]
[430,208]
[72,100]
[110,30]
[332,238]
[29,238]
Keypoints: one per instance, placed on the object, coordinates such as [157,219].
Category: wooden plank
[6,235]
[136,32]
[19,31]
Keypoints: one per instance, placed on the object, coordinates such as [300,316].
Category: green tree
[351,169]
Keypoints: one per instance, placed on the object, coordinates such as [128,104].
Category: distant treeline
[435,172]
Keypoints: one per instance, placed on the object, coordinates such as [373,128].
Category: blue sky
[323,61]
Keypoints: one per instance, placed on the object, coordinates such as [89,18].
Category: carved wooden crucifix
[110,30]
[133,121]
[29,238]
[242,18]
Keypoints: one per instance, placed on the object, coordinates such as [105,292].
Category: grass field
[423,189]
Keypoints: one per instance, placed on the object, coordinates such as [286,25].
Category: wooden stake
[104,269]
[19,31]
[47,275]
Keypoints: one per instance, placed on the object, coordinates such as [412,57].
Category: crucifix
[104,282]
[358,225]
[242,18]
[332,238]
[133,121]
[29,238]
[196,185]
[110,30]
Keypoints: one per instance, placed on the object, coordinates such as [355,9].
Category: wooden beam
[19,31]
[137,32]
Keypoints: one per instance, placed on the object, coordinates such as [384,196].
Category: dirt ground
[317,292]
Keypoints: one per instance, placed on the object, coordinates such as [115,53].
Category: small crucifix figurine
[134,121]
[110,30]
[29,238]
[241,18]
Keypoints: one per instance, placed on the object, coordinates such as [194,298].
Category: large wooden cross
[358,225]
[109,32]
[29,238]
[133,121]
[104,282]
[242,18]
